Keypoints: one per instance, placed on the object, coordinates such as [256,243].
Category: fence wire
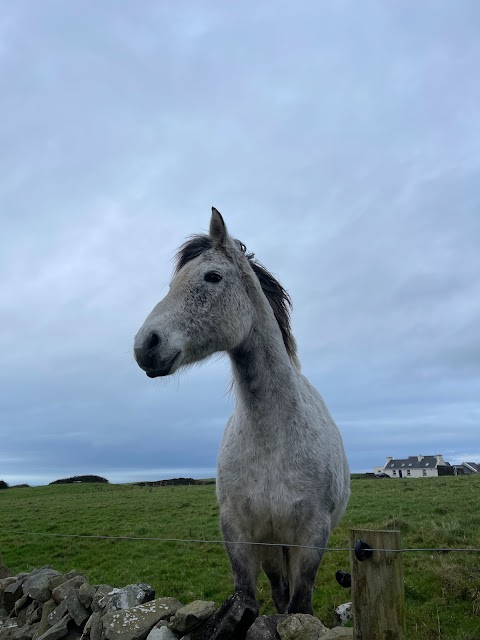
[223,542]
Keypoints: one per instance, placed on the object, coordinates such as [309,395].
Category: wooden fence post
[378,594]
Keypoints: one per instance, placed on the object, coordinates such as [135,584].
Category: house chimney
[389,458]
[440,459]
[420,458]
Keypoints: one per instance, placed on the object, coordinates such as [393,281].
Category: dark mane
[280,302]
[276,295]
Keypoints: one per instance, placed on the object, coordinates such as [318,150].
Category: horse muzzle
[153,357]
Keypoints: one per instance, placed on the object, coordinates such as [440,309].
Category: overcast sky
[341,142]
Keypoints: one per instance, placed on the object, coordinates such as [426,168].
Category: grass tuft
[396,523]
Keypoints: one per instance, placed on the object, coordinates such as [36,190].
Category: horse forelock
[276,295]
[191,249]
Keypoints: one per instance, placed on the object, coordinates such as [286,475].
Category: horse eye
[212,276]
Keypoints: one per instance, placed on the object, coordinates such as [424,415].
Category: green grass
[442,590]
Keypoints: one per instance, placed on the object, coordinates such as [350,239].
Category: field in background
[442,589]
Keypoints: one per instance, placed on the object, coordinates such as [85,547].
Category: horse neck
[265,380]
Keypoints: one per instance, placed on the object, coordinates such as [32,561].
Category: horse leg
[243,559]
[274,563]
[303,567]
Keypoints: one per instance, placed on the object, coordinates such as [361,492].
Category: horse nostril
[153,341]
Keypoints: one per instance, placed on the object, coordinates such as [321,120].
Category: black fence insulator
[344,579]
[363,551]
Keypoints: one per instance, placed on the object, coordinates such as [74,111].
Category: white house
[415,467]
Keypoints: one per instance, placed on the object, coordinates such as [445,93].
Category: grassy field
[442,590]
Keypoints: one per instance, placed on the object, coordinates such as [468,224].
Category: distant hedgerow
[80,479]
[174,482]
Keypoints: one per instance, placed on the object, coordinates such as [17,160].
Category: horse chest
[268,511]
[263,493]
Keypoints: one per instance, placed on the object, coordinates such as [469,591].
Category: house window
[403,464]
[409,464]
[427,464]
[394,472]
[424,472]
[408,472]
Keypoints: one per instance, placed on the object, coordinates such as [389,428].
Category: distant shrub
[3,484]
[19,486]
[80,479]
[361,476]
[176,482]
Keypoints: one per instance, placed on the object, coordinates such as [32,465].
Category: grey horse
[283,477]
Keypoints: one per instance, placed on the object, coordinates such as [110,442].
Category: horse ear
[218,230]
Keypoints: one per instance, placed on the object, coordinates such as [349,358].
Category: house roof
[412,462]
[474,466]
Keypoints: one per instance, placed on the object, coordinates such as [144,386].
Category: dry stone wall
[46,604]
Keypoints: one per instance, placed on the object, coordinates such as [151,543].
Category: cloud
[341,143]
